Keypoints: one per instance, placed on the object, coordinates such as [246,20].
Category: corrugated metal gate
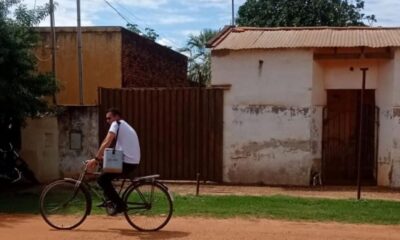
[340,138]
[179,129]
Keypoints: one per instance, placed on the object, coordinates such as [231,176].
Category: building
[293,110]
[113,57]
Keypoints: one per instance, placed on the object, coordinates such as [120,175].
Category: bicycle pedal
[105,204]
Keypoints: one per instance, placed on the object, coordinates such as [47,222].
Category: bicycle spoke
[149,207]
[64,205]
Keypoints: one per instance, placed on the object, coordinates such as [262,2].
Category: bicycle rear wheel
[64,204]
[149,206]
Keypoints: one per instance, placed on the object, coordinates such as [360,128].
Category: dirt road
[32,227]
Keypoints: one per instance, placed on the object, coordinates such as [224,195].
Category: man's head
[112,115]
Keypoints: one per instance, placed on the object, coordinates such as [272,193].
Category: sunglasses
[108,118]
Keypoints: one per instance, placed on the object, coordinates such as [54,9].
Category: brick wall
[148,64]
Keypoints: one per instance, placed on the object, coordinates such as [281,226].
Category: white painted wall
[395,154]
[384,100]
[337,74]
[273,112]
[266,115]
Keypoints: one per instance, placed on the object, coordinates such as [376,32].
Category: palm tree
[199,69]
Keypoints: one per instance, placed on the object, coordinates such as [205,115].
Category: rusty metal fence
[179,129]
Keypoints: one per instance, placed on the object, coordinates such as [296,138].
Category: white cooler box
[113,161]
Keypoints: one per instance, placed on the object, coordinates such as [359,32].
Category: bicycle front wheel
[64,204]
[149,206]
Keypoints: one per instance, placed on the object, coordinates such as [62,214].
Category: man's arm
[105,144]
[92,163]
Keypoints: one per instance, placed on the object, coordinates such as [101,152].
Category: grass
[290,208]
[272,207]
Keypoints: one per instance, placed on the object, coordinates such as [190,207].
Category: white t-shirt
[127,141]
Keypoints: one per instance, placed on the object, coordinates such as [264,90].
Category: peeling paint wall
[267,115]
[316,127]
[273,113]
[395,154]
[82,120]
[384,100]
[40,147]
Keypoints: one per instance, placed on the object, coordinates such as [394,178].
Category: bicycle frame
[133,182]
[142,200]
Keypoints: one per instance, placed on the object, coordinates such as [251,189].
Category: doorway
[340,137]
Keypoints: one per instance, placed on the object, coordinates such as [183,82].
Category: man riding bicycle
[128,142]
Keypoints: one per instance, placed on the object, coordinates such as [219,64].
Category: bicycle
[65,204]
[13,168]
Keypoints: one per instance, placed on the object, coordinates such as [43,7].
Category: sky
[175,20]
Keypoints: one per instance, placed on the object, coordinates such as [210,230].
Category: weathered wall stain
[262,173]
[396,112]
[80,119]
[388,114]
[257,109]
[288,145]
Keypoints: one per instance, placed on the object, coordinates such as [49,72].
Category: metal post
[233,12]
[360,136]
[53,44]
[79,40]
[198,184]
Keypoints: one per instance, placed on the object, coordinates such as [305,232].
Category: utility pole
[53,44]
[79,40]
[233,12]
[360,136]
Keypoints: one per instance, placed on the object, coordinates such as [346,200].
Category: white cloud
[189,32]
[223,4]
[66,13]
[168,42]
[154,4]
[176,19]
[386,11]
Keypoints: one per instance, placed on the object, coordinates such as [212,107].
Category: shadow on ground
[142,235]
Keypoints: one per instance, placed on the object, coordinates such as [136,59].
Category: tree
[23,90]
[199,69]
[296,13]
[148,33]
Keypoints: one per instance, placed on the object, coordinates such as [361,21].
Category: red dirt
[32,227]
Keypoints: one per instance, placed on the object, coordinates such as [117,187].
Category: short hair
[114,112]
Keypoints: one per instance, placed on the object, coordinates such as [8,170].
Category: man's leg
[104,181]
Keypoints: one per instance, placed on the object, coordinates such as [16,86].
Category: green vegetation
[22,88]
[290,208]
[298,13]
[272,207]
[199,57]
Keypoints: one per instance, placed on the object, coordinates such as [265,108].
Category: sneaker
[113,210]
[104,204]
[121,208]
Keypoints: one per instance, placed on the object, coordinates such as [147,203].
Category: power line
[130,13]
[122,16]
[128,20]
